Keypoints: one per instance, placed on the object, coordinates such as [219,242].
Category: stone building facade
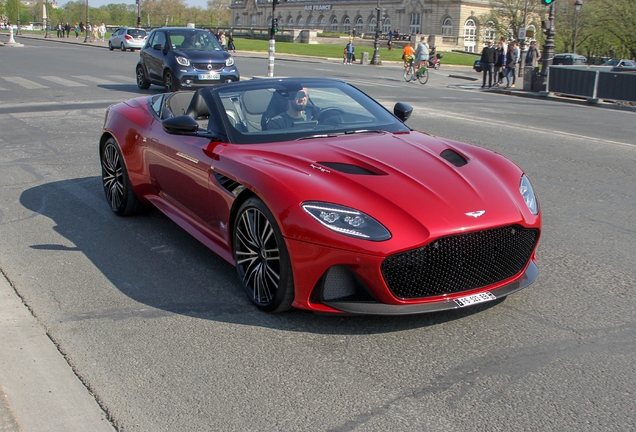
[450,24]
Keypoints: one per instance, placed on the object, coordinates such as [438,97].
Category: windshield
[184,40]
[284,110]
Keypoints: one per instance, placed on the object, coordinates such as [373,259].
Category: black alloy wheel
[142,82]
[117,187]
[170,82]
[261,257]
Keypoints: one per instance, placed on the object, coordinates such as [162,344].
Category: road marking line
[64,82]
[24,83]
[94,79]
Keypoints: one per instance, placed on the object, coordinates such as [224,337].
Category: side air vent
[347,168]
[453,157]
[228,184]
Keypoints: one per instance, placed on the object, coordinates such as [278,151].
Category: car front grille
[460,262]
[204,66]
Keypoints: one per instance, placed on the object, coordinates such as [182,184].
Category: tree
[219,13]
[508,17]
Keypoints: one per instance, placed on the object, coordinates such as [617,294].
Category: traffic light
[547,2]
[275,25]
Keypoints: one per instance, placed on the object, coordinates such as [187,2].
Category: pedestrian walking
[488,55]
[533,55]
[500,64]
[230,42]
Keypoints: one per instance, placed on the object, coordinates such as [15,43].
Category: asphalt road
[158,330]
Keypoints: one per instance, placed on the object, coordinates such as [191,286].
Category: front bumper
[192,78]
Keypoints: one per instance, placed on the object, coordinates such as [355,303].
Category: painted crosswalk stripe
[123,78]
[24,82]
[94,79]
[64,82]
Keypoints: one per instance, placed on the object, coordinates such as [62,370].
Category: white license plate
[213,76]
[474,299]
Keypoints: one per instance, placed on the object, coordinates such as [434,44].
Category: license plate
[474,299]
[212,76]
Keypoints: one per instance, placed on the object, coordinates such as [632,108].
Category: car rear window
[137,32]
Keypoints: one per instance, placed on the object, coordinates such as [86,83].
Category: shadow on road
[166,271]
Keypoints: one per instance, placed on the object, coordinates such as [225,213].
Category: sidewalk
[38,389]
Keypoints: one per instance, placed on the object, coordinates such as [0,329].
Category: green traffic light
[547,2]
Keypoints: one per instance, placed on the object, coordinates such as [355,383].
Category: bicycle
[411,75]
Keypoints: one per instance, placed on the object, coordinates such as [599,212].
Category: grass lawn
[335,51]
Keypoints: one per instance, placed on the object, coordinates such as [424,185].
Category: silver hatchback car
[127,38]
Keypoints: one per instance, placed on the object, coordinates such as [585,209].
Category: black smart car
[179,58]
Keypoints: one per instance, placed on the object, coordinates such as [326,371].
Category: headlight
[525,188]
[182,61]
[347,221]
[229,61]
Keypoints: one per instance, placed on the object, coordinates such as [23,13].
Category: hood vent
[347,168]
[453,157]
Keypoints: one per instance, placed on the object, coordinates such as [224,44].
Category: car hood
[410,178]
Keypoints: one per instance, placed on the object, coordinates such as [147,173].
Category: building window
[414,25]
[470,35]
[346,25]
[301,23]
[253,20]
[447,27]
[359,26]
[334,25]
[237,21]
[322,23]
[372,25]
[489,32]
[311,23]
[386,25]
[290,23]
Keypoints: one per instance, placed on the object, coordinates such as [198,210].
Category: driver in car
[296,111]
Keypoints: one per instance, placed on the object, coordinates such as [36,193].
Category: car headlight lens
[525,188]
[347,221]
[229,61]
[182,61]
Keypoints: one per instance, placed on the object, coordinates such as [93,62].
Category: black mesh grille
[204,66]
[460,262]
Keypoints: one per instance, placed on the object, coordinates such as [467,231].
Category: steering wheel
[327,112]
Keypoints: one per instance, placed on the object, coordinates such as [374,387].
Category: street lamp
[86,39]
[522,41]
[138,13]
[19,33]
[577,7]
[47,33]
[376,43]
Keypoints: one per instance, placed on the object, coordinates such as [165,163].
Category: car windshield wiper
[317,136]
[363,131]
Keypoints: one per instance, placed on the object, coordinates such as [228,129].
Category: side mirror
[157,47]
[180,125]
[402,111]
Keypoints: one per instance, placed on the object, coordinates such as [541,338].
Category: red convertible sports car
[323,199]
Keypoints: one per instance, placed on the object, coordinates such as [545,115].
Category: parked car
[569,59]
[323,199]
[127,38]
[179,57]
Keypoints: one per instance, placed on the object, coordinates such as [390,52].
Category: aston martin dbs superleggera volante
[323,199]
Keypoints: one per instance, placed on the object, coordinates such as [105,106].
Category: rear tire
[261,257]
[122,47]
[110,46]
[423,77]
[117,187]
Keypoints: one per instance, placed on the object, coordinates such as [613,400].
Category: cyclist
[407,55]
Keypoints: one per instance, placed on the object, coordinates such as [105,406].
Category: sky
[98,3]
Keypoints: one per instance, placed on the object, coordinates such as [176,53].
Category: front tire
[142,82]
[408,74]
[170,82]
[423,77]
[261,257]
[117,187]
